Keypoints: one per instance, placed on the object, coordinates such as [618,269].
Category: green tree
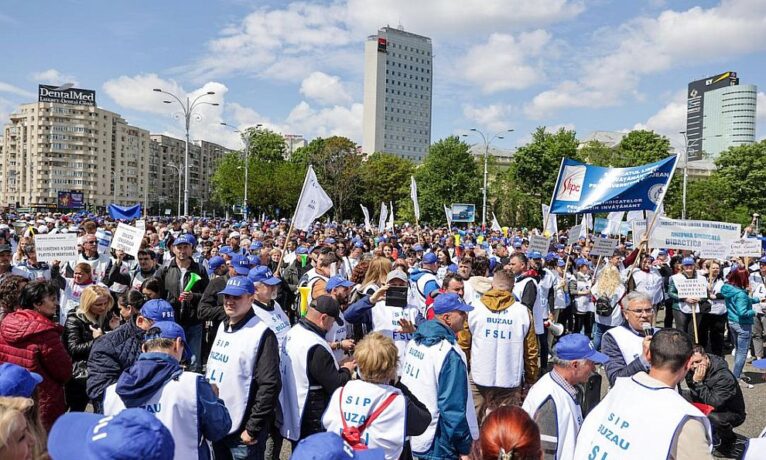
[641,147]
[266,145]
[742,171]
[229,170]
[598,153]
[385,177]
[448,174]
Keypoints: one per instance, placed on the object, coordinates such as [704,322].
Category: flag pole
[292,222]
[555,189]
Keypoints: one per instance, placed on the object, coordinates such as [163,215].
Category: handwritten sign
[127,238]
[688,288]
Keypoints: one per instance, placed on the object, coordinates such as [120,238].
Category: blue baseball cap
[256,245]
[430,258]
[449,301]
[517,245]
[254,260]
[168,330]
[330,446]
[158,310]
[534,255]
[417,248]
[662,252]
[16,381]
[184,238]
[452,268]
[561,262]
[759,363]
[263,275]
[301,250]
[360,245]
[338,281]
[577,346]
[131,434]
[238,286]
[214,264]
[580,261]
[560,246]
[329,241]
[687,261]
[240,264]
[551,256]
[762,260]
[225,250]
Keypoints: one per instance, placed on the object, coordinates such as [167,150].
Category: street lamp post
[246,140]
[188,111]
[114,187]
[178,169]
[686,174]
[487,143]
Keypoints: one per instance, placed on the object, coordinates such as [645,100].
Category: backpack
[603,306]
[353,434]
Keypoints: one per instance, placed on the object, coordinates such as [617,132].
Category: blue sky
[297,67]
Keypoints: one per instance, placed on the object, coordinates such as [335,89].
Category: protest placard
[57,246]
[691,288]
[128,239]
[746,247]
[141,224]
[638,229]
[574,233]
[539,243]
[694,235]
[603,247]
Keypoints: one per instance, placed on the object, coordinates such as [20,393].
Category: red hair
[510,428]
[739,278]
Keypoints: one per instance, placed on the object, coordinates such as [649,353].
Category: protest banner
[128,239]
[691,288]
[574,233]
[538,243]
[57,246]
[694,235]
[746,247]
[639,230]
[603,247]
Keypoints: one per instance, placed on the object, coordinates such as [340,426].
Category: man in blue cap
[553,402]
[244,363]
[133,434]
[211,303]
[435,370]
[183,401]
[423,281]
[112,353]
[339,336]
[174,280]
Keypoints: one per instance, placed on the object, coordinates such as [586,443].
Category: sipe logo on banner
[74,96]
[571,183]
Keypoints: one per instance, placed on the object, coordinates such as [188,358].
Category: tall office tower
[398,84]
[720,114]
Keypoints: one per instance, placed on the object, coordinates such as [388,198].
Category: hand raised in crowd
[379,295]
[347,345]
[407,326]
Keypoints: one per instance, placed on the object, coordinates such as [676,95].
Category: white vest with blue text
[622,426]
[420,373]
[338,334]
[539,311]
[230,366]
[568,413]
[386,321]
[175,405]
[276,320]
[360,400]
[293,366]
[497,344]
[418,291]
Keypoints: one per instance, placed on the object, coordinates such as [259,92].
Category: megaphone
[556,328]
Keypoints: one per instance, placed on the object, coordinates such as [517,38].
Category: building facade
[51,147]
[729,118]
[398,88]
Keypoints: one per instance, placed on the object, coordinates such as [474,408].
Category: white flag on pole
[312,203]
[366,213]
[495,224]
[414,196]
[391,216]
[448,213]
[383,217]
[553,225]
[587,224]
[634,215]
[615,221]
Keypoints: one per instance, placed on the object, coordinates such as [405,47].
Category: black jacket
[322,373]
[110,355]
[78,341]
[719,388]
[186,313]
[211,304]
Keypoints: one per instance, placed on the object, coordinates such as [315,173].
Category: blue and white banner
[586,188]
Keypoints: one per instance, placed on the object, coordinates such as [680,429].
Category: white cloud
[502,62]
[669,121]
[53,77]
[493,117]
[9,88]
[328,121]
[325,89]
[647,46]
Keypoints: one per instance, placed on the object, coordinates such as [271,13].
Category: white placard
[638,228]
[574,233]
[746,247]
[539,243]
[694,235]
[128,239]
[57,246]
[688,288]
[141,224]
[603,247]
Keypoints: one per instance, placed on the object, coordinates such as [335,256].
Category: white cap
[42,229]
[234,235]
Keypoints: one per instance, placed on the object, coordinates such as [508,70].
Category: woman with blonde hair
[20,438]
[83,326]
[608,292]
[376,275]
[374,411]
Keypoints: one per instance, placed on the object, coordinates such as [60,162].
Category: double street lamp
[188,110]
[246,140]
[487,143]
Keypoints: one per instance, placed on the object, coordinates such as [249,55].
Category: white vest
[276,320]
[418,289]
[70,298]
[683,306]
[293,366]
[539,311]
[718,306]
[360,400]
[544,286]
[497,344]
[230,366]
[584,303]
[337,334]
[138,279]
[98,266]
[31,273]
[635,422]
[386,321]
[420,373]
[631,344]
[175,405]
[650,284]
[568,413]
[755,450]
